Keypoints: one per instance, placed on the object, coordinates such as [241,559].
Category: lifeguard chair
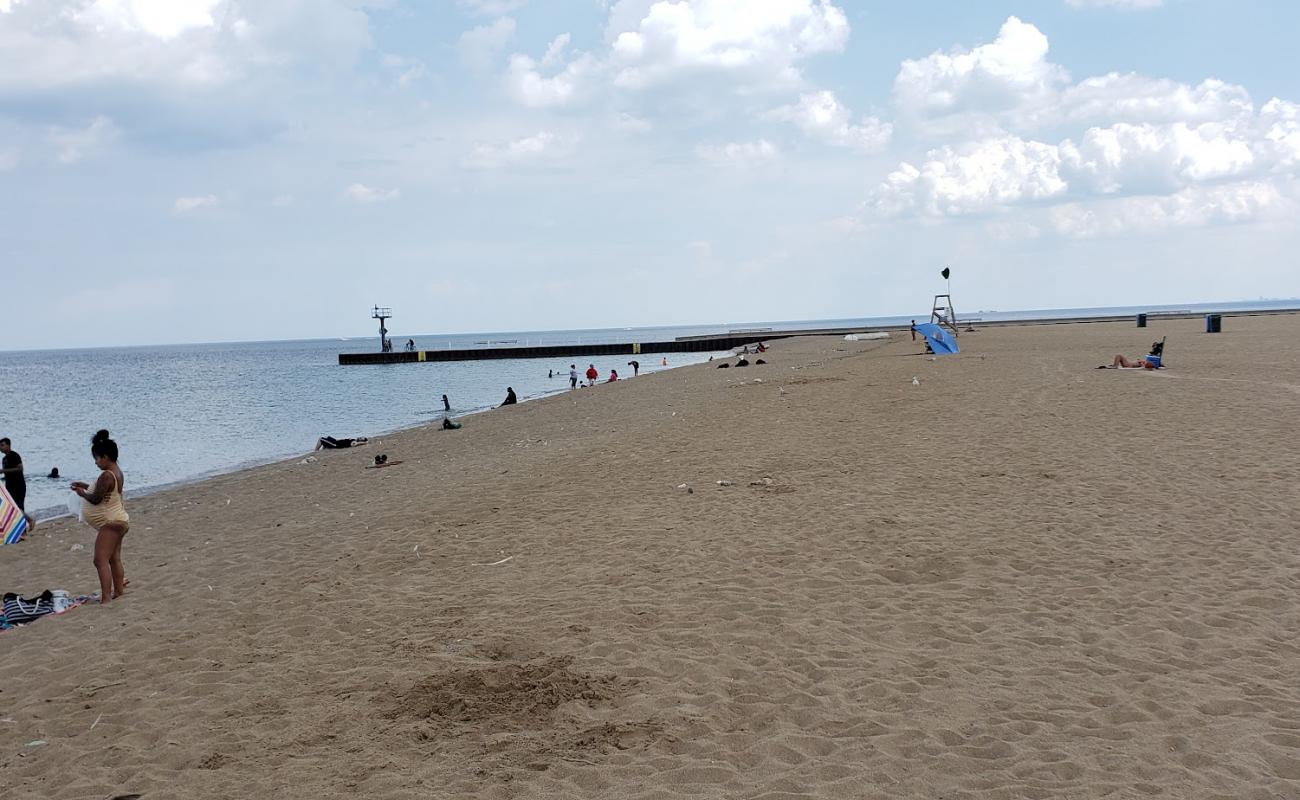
[942,313]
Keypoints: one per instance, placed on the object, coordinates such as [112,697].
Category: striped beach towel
[13,525]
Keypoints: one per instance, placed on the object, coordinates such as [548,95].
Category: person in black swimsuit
[330,443]
[15,482]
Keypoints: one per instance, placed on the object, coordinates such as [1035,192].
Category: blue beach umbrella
[941,342]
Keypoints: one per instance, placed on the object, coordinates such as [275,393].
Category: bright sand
[1022,578]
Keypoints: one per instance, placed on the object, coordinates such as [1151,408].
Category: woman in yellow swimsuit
[103,510]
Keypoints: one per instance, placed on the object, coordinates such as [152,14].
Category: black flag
[944,273]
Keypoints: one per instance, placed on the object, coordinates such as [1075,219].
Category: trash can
[1142,320]
[1213,323]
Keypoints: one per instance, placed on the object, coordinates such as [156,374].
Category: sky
[234,170]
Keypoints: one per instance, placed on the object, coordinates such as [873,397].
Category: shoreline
[57,513]
[1017,575]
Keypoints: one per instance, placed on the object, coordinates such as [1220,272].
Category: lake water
[183,412]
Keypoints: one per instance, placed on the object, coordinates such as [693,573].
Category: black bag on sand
[20,611]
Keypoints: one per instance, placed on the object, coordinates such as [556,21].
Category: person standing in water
[592,374]
[103,509]
[573,377]
[446,404]
[636,367]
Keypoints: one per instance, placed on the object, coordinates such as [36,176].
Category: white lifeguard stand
[943,313]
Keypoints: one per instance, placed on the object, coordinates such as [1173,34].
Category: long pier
[690,344]
[725,341]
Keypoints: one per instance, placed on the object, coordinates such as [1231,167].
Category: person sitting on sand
[103,510]
[742,362]
[613,376]
[448,425]
[510,398]
[330,443]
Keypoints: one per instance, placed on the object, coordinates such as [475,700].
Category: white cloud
[367,195]
[530,88]
[555,50]
[1009,72]
[1156,154]
[742,154]
[757,46]
[193,43]
[480,47]
[821,116]
[542,145]
[1193,207]
[1282,131]
[760,41]
[408,70]
[165,19]
[74,144]
[1010,85]
[974,178]
[189,205]
[491,8]
[631,123]
[1136,98]
[1123,159]
[1125,5]
[1137,158]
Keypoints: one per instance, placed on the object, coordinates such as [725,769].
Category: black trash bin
[1213,323]
[1142,320]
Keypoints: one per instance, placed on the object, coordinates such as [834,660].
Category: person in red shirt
[613,376]
[592,374]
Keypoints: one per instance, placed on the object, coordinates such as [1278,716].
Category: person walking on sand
[510,398]
[15,481]
[103,509]
[592,374]
[636,367]
[914,330]
[573,377]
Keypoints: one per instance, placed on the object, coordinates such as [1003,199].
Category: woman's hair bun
[100,436]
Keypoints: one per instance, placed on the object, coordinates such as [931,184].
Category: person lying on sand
[330,443]
[1150,361]
[1121,361]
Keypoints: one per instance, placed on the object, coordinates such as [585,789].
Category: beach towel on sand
[22,610]
[13,525]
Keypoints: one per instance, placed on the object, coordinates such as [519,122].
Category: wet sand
[1023,578]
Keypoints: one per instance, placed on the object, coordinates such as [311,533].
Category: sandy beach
[1021,578]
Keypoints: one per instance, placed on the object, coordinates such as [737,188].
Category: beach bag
[20,611]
